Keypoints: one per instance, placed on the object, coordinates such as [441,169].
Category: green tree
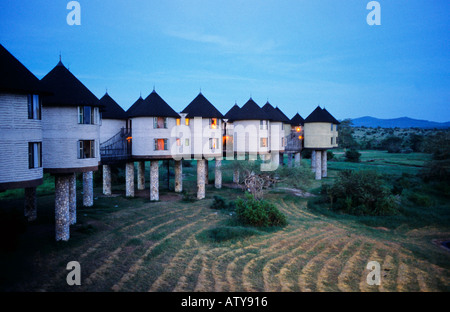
[346,139]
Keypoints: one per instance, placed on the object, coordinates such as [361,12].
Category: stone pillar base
[201,176]
[178,176]
[313,161]
[218,174]
[73,198]
[129,179]
[106,180]
[298,159]
[324,164]
[62,217]
[88,189]
[154,180]
[141,175]
[318,166]
[236,176]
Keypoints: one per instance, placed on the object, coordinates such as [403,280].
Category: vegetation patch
[260,213]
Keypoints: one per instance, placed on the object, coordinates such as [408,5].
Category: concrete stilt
[106,180]
[324,164]
[281,156]
[129,179]
[236,176]
[88,189]
[62,217]
[218,174]
[298,159]
[72,198]
[313,161]
[275,158]
[206,171]
[30,210]
[318,165]
[178,176]
[141,175]
[154,180]
[201,176]
[289,160]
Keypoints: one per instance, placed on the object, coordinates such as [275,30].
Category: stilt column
[62,217]
[88,189]
[298,159]
[30,203]
[318,165]
[289,160]
[206,171]
[313,161]
[72,198]
[129,179]
[141,175]
[201,176]
[218,174]
[106,180]
[324,164]
[178,176]
[236,176]
[154,180]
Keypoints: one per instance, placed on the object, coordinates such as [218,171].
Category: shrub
[188,197]
[258,212]
[361,193]
[420,199]
[352,155]
[330,155]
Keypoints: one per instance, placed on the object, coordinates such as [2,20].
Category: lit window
[213,143]
[86,149]
[178,142]
[34,155]
[34,107]
[161,145]
[263,142]
[159,123]
[186,121]
[178,121]
[186,142]
[213,123]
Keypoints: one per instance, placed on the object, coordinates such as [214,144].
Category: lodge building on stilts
[58,126]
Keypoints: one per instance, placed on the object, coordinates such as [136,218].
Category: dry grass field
[172,245]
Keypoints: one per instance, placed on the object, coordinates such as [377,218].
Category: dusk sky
[297,54]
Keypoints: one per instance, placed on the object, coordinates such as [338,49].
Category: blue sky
[297,54]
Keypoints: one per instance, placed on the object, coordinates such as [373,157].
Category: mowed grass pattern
[145,246]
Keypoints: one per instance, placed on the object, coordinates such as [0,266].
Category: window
[186,121]
[178,121]
[282,126]
[34,155]
[178,142]
[86,149]
[213,123]
[159,123]
[263,124]
[186,142]
[263,142]
[332,141]
[283,142]
[34,107]
[213,143]
[88,115]
[331,127]
[161,145]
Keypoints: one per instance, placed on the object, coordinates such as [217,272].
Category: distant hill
[403,122]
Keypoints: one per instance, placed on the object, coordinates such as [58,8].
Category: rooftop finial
[153,87]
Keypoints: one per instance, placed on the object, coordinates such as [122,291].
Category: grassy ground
[172,245]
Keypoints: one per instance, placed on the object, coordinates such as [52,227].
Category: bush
[352,155]
[361,193]
[259,213]
[188,197]
[330,155]
[419,199]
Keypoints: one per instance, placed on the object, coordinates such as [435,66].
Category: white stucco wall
[16,132]
[144,136]
[247,137]
[61,133]
[110,127]
[319,134]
